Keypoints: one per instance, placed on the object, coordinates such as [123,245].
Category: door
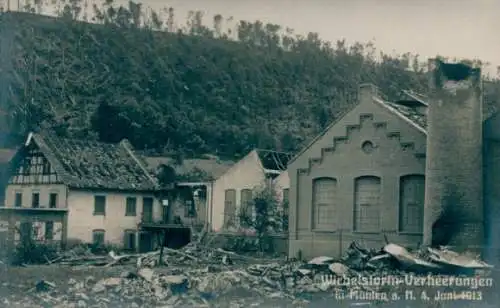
[147,209]
[145,242]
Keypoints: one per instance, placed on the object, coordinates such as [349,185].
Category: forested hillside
[191,90]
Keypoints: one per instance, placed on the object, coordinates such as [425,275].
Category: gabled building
[419,170]
[81,190]
[235,186]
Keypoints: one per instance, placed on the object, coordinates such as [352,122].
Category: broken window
[367,204]
[49,230]
[98,237]
[99,205]
[324,203]
[411,203]
[18,202]
[35,200]
[189,209]
[229,207]
[129,240]
[130,206]
[53,200]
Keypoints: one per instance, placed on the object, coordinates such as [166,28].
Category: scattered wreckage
[199,276]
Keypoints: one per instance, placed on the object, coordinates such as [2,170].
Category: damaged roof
[95,165]
[210,169]
[419,118]
[273,160]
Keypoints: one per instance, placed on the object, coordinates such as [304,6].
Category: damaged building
[64,190]
[423,170]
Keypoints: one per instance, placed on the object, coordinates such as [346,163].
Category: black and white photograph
[230,153]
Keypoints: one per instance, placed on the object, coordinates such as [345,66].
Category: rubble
[198,276]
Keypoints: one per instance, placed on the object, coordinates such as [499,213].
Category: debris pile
[198,276]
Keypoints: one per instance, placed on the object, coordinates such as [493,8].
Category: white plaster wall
[245,174]
[44,190]
[81,220]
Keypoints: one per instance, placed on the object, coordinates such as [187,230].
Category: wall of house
[245,174]
[398,151]
[82,221]
[280,183]
[44,190]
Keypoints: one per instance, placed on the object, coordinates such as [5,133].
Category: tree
[262,215]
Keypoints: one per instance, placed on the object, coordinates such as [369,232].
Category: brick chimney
[453,213]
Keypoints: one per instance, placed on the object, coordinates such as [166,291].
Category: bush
[33,252]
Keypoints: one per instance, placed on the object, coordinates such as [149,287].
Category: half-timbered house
[60,189]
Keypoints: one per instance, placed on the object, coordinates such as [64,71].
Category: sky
[452,28]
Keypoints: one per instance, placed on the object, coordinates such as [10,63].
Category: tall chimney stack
[453,213]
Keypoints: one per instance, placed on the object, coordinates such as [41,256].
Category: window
[130,206]
[229,207]
[99,205]
[49,230]
[189,210]
[325,203]
[129,240]
[411,203]
[35,200]
[46,166]
[246,202]
[98,237]
[53,200]
[18,202]
[367,204]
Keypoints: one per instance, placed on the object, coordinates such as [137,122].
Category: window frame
[96,212]
[246,205]
[229,220]
[35,205]
[53,206]
[131,205]
[127,234]
[331,208]
[18,202]
[364,205]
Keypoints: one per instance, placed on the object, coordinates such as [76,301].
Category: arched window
[325,204]
[411,203]
[367,204]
